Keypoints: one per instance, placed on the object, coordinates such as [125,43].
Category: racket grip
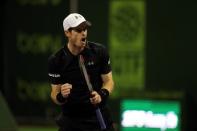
[100,119]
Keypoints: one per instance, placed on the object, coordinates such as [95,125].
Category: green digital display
[150,115]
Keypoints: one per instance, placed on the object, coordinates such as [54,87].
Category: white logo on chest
[90,63]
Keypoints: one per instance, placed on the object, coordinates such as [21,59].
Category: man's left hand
[95,98]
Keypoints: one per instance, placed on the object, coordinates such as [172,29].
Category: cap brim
[84,24]
[88,23]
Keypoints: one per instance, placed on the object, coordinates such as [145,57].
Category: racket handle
[100,119]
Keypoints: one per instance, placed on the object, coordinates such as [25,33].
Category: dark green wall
[97,13]
[171,44]
[35,23]
[171,51]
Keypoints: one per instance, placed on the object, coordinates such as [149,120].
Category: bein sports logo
[147,119]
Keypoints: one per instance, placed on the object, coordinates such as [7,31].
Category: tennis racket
[98,112]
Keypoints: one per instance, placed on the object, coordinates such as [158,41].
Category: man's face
[78,36]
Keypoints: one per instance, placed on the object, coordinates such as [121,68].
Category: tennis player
[69,87]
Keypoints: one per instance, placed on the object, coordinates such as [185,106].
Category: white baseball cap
[73,20]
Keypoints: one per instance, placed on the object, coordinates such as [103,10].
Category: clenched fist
[66,89]
[95,98]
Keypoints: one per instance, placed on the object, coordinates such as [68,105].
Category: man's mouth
[83,39]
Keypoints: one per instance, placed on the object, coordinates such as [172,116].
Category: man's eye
[79,30]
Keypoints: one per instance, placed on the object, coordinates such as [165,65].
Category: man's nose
[83,32]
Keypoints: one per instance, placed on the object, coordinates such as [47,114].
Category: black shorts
[66,123]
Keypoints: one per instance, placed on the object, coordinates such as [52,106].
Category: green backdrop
[127,44]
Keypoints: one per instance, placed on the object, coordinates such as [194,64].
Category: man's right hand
[66,89]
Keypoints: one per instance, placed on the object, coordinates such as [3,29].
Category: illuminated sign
[150,115]
[128,63]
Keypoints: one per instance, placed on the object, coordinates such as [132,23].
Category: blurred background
[152,44]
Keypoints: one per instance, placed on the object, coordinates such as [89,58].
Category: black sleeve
[105,61]
[53,70]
